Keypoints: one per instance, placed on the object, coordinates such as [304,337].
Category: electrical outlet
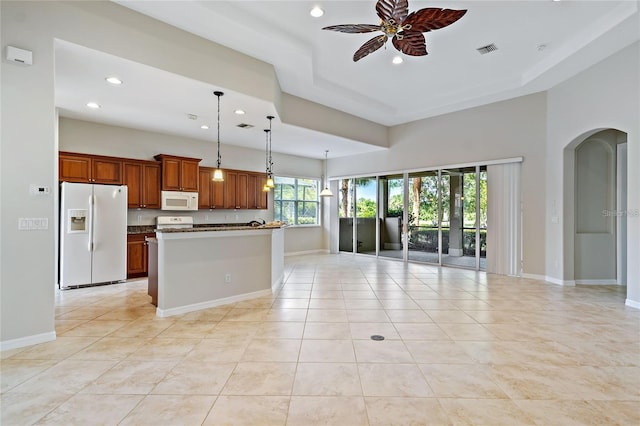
[227,278]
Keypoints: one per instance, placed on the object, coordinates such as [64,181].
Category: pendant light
[326,192]
[217,173]
[266,187]
[270,182]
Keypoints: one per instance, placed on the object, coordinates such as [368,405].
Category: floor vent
[487,49]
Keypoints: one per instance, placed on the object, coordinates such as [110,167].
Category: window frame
[297,202]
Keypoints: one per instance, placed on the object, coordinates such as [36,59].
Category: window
[295,201]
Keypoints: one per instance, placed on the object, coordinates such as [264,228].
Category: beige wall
[605,96]
[507,129]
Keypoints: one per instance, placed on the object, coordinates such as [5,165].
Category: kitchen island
[203,267]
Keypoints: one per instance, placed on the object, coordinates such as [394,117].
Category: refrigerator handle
[91,207]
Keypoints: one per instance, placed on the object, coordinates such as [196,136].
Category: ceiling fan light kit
[403,28]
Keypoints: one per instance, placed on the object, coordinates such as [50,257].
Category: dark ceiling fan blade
[411,43]
[430,19]
[369,47]
[354,28]
[392,9]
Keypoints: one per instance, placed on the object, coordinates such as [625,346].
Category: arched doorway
[594,206]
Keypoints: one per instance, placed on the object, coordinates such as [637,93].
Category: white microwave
[176,200]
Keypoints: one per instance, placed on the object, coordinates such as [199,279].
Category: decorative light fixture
[326,192]
[270,182]
[217,173]
[403,28]
[266,187]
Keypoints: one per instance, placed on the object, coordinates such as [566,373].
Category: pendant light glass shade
[217,173]
[270,182]
[326,192]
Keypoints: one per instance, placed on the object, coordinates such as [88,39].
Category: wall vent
[245,126]
[487,49]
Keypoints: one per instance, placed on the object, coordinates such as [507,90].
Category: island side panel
[193,270]
[277,258]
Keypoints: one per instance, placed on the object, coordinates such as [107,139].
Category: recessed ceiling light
[204,127]
[114,80]
[397,60]
[316,12]
[93,105]
[239,111]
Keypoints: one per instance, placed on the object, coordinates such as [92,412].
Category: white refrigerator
[93,234]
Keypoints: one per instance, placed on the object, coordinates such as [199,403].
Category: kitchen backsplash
[148,217]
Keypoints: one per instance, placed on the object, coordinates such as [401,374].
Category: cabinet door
[171,174]
[106,171]
[136,256]
[133,180]
[189,172]
[151,185]
[262,197]
[217,195]
[230,183]
[73,168]
[204,188]
[252,191]
[242,191]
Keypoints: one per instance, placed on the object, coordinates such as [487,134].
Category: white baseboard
[597,282]
[534,276]
[302,253]
[632,303]
[210,304]
[27,341]
[553,280]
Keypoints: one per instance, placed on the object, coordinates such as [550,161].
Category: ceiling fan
[404,28]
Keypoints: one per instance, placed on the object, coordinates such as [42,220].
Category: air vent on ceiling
[245,126]
[487,49]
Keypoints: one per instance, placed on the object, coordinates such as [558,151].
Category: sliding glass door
[423,217]
[391,234]
[345,215]
[434,216]
[366,215]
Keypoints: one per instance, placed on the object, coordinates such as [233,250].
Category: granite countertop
[141,229]
[221,227]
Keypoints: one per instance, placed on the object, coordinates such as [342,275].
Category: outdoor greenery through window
[296,201]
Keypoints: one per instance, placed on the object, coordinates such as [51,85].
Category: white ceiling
[540,43]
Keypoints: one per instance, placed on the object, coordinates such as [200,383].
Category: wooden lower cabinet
[137,255]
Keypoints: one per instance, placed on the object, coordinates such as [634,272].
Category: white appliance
[177,200]
[174,222]
[93,234]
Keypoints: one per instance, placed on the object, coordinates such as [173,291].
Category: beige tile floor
[461,348]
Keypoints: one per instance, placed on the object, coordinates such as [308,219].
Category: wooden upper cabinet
[230,187]
[143,181]
[262,197]
[151,185]
[89,168]
[236,189]
[210,193]
[179,173]
[204,188]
